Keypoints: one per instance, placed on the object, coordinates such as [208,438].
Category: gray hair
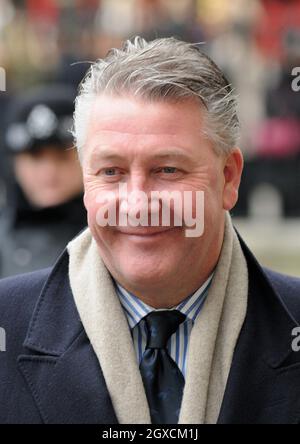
[168,69]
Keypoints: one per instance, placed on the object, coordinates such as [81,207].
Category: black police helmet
[43,116]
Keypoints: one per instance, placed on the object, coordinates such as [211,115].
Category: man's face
[48,176]
[156,146]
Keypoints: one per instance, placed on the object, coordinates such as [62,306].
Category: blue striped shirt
[178,343]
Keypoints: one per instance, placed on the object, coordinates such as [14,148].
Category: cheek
[216,186]
[70,171]
[208,197]
[213,202]
[95,211]
[91,188]
[90,203]
[24,172]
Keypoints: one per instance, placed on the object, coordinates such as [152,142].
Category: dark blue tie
[163,381]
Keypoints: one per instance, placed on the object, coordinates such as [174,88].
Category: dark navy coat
[49,372]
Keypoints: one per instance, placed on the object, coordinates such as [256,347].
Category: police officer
[44,206]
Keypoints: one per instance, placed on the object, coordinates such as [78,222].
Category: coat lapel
[263,383]
[60,368]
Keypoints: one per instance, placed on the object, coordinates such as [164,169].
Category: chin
[46,201]
[141,275]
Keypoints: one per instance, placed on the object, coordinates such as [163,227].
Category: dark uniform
[30,237]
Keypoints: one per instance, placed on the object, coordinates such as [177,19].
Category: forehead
[131,125]
[137,116]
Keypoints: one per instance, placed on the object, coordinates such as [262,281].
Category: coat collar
[55,322]
[263,383]
[64,390]
[273,321]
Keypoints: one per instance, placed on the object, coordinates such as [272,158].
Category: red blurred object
[278,18]
[45,10]
[278,137]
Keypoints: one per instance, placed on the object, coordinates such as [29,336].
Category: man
[44,207]
[153,322]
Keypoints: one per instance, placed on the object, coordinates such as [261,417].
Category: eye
[110,171]
[169,170]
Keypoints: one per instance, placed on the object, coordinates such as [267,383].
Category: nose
[48,170]
[138,181]
[134,198]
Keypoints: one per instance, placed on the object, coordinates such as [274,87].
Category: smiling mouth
[146,233]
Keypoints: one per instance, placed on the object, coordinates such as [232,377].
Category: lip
[145,233]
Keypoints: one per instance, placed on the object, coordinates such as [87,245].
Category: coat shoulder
[18,296]
[288,289]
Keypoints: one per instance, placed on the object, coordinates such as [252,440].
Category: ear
[233,167]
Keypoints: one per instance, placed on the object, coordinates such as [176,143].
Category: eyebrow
[107,154]
[169,155]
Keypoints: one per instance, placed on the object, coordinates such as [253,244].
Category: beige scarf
[212,341]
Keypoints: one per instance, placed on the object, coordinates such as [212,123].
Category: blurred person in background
[44,203]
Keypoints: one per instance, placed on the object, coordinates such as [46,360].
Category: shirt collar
[136,310]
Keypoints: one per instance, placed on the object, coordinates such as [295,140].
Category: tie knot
[161,325]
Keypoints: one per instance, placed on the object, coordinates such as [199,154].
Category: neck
[167,298]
